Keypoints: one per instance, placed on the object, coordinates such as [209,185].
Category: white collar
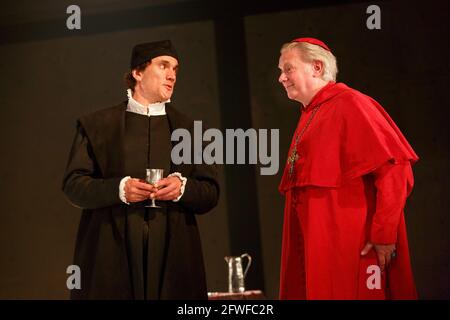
[153,109]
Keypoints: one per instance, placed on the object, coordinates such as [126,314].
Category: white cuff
[183,183]
[122,189]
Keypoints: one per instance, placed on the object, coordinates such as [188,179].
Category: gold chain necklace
[294,156]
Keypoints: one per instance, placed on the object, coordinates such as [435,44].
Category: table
[246,295]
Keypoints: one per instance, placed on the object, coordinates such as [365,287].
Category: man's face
[157,81]
[296,76]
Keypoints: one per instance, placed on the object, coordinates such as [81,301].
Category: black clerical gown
[128,251]
[147,145]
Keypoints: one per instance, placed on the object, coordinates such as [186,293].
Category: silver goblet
[152,176]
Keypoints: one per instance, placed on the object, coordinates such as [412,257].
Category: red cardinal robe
[347,186]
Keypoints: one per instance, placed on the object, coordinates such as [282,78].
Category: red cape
[330,201]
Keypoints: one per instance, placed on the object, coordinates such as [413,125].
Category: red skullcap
[312,41]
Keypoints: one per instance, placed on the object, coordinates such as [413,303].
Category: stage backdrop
[228,78]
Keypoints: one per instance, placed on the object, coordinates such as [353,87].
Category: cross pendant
[291,160]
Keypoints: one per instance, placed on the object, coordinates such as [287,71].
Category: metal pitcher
[235,275]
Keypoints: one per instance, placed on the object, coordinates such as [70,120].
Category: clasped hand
[137,190]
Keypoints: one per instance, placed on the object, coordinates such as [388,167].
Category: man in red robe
[346,181]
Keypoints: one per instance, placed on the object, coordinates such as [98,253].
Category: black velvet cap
[147,51]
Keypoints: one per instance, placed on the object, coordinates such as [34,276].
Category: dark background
[229,56]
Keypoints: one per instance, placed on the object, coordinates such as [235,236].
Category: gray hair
[311,52]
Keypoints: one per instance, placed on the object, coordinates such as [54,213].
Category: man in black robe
[124,249]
